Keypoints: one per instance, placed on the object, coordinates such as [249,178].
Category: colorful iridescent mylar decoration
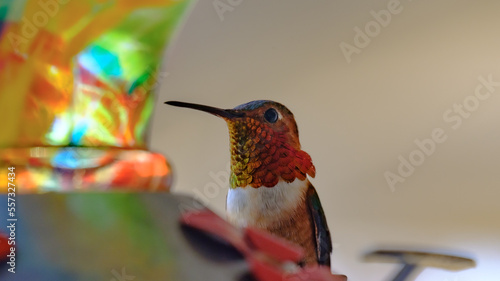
[77,79]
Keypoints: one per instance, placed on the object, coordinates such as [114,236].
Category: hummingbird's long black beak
[224,113]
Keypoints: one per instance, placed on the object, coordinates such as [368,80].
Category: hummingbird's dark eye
[271,115]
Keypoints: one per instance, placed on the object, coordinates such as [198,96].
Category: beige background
[355,118]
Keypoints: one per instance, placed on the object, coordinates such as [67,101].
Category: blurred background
[364,89]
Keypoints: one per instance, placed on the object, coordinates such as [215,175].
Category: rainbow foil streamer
[76,91]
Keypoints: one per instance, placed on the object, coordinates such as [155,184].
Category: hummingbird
[269,185]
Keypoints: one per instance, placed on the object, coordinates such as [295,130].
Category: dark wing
[322,233]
